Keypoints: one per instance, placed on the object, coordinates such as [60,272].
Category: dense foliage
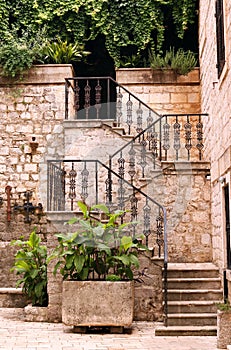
[128,26]
[31,264]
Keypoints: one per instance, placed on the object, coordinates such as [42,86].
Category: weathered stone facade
[32,108]
[164,91]
[215,100]
[35,109]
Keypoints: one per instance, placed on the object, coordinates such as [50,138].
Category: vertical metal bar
[96,184]
[48,186]
[108,99]
[160,140]
[66,98]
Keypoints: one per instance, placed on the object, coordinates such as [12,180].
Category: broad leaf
[79,262]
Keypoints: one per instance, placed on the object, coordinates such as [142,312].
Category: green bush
[98,249]
[31,263]
[181,62]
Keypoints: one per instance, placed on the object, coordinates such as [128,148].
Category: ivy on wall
[123,23]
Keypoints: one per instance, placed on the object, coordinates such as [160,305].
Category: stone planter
[97,303]
[223,329]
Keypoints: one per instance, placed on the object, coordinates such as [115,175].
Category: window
[220,36]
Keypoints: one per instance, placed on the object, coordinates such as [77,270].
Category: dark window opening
[220,36]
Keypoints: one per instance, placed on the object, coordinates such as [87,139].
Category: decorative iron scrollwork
[139,113]
[76,97]
[176,144]
[132,162]
[147,220]
[143,157]
[188,136]
[87,98]
[129,115]
[98,90]
[200,144]
[72,185]
[166,138]
[84,191]
[119,113]
[159,232]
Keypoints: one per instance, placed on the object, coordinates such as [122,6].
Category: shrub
[31,263]
[181,62]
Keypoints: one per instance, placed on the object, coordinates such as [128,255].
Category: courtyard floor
[16,334]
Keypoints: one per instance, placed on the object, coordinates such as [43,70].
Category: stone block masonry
[30,109]
[164,91]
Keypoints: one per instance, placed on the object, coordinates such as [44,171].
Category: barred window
[220,36]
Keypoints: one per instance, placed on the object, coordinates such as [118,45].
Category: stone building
[215,76]
[178,164]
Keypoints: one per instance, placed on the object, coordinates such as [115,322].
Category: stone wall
[31,110]
[215,100]
[164,91]
[35,109]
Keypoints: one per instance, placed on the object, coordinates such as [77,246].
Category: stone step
[186,331]
[198,319]
[192,270]
[194,294]
[12,298]
[201,306]
[194,283]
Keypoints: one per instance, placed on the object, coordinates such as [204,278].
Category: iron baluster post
[188,136]
[109,184]
[84,174]
[66,98]
[176,128]
[96,184]
[165,268]
[108,98]
[72,185]
[200,145]
[160,140]
[165,287]
[87,97]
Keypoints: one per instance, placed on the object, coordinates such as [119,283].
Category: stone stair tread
[193,302]
[194,291]
[185,330]
[190,315]
[11,290]
[192,266]
[192,279]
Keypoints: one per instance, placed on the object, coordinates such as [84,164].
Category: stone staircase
[194,289]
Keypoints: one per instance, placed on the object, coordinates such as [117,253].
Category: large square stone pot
[97,303]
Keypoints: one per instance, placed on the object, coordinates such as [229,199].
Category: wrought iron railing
[103,98]
[172,137]
[154,138]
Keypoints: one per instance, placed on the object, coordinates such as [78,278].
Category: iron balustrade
[103,98]
[173,137]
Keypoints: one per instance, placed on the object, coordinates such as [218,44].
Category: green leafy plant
[63,52]
[224,306]
[31,263]
[97,250]
[17,54]
[122,23]
[181,62]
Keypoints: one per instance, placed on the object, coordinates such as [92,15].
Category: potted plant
[31,264]
[96,262]
[223,324]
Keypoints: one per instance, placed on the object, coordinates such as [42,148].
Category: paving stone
[16,334]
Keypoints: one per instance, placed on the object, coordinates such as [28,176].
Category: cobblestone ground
[16,334]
